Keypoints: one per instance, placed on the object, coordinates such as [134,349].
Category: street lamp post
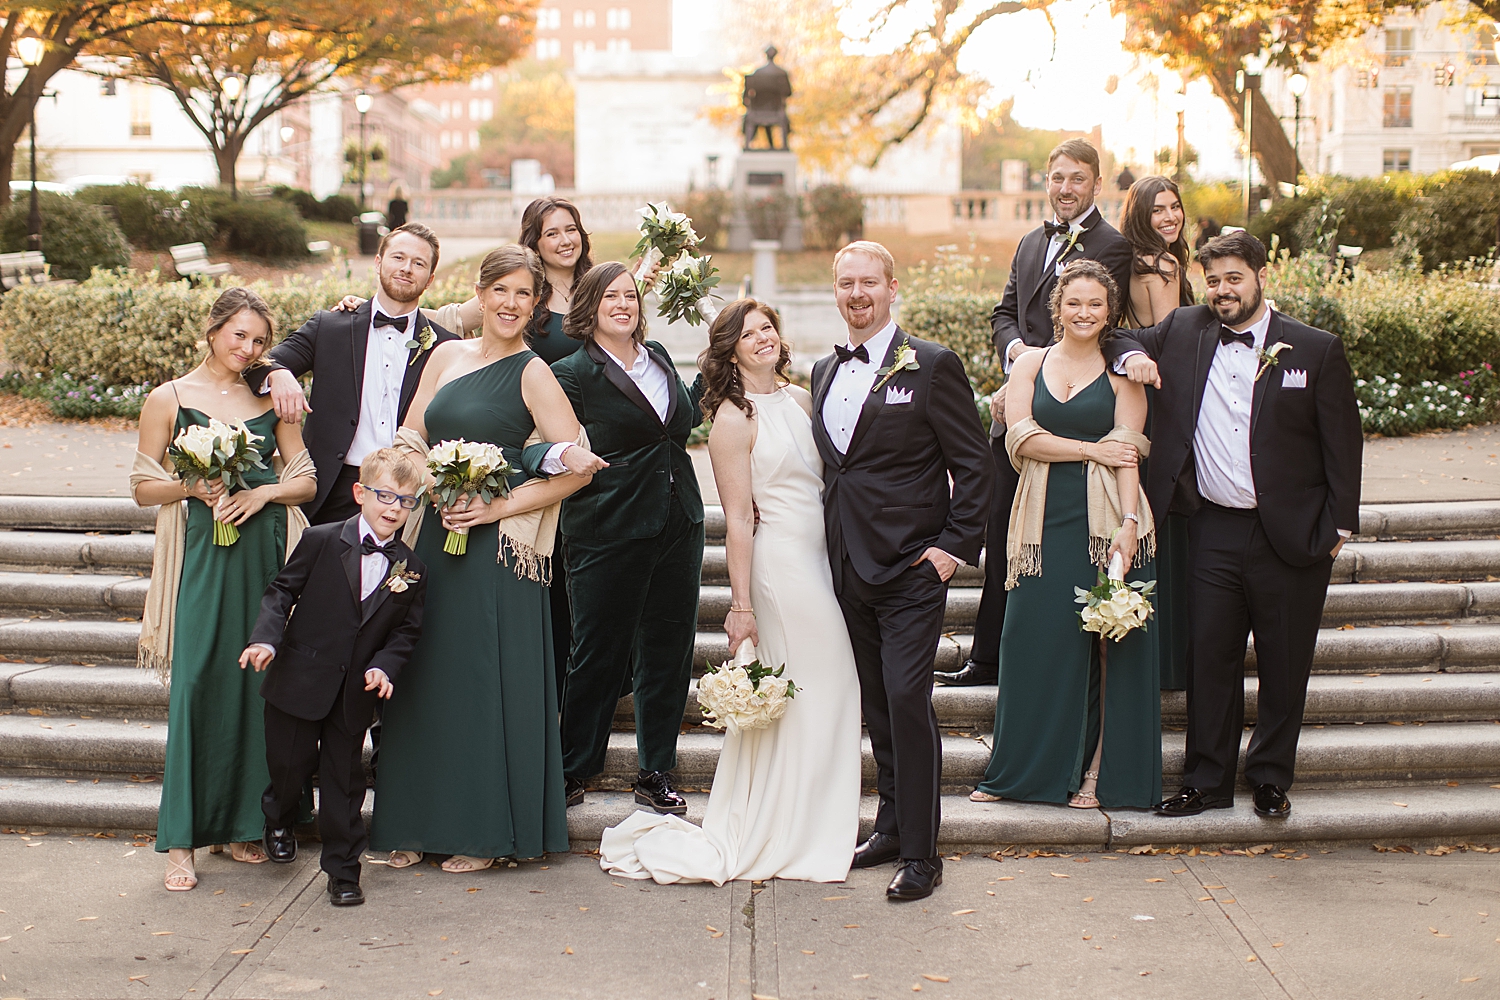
[1297,84]
[363,102]
[31,49]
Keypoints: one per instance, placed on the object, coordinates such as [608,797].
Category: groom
[894,419]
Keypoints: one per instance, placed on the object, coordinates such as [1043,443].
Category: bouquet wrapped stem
[222,451]
[687,284]
[466,469]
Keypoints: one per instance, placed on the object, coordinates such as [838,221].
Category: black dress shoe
[970,674]
[1191,802]
[342,892]
[654,789]
[1271,801]
[572,791]
[915,879]
[880,849]
[280,845]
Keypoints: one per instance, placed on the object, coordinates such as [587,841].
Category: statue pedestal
[760,173]
[763,274]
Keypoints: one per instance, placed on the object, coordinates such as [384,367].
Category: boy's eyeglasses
[387,497]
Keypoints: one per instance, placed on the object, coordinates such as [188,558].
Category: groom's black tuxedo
[886,499]
[1264,568]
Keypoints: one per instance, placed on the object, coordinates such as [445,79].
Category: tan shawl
[158,623]
[1023,546]
[528,538]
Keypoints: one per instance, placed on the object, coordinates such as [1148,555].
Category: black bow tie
[1228,336]
[844,353]
[399,322]
[368,546]
[1051,229]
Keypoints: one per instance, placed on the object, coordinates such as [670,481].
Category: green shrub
[151,219]
[1370,209]
[709,209]
[838,215]
[1283,222]
[304,202]
[76,237]
[947,304]
[337,208]
[1221,202]
[75,398]
[770,214]
[1393,407]
[1454,219]
[268,228]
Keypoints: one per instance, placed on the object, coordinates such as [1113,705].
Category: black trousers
[339,505]
[894,628]
[635,614]
[295,749]
[1240,585]
[562,615]
[991,615]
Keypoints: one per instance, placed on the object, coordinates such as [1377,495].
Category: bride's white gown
[785,799]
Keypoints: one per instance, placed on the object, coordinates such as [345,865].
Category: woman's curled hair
[721,376]
[1080,270]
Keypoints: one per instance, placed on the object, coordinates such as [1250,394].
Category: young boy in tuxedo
[357,591]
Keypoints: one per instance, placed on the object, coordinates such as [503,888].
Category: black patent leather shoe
[1271,801]
[654,789]
[971,674]
[573,791]
[880,849]
[280,845]
[915,879]
[342,892]
[1191,802]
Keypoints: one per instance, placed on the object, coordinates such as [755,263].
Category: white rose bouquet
[665,235]
[1113,607]
[686,289]
[223,451]
[742,694]
[466,468]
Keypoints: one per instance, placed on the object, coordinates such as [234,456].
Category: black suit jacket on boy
[330,641]
[887,499]
[647,455]
[332,346]
[1305,436]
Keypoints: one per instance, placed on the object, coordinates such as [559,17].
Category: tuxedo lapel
[666,365]
[1208,343]
[1259,400]
[1032,260]
[349,536]
[875,399]
[359,342]
[622,381]
[412,377]
[823,373]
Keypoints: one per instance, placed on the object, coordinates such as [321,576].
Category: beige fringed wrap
[529,537]
[158,623]
[1023,545]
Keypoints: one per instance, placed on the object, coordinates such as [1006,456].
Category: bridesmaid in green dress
[470,761]
[1055,696]
[216,756]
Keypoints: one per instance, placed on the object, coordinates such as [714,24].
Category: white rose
[198,442]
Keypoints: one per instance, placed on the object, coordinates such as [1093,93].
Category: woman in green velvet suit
[634,539]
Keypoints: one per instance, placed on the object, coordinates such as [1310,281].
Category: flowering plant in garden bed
[67,395]
[1391,406]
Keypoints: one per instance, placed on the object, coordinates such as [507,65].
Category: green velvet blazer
[646,454]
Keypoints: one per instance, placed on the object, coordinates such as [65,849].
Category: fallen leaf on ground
[1401,804]
[1088,899]
[1213,887]
[850,927]
[806,952]
[242,951]
[1205,899]
[828,899]
[1059,875]
[935,979]
[971,927]
[218,892]
[136,979]
[1088,937]
[1156,880]
[1249,958]
[1471,979]
[434,993]
[81,919]
[162,933]
[862,975]
[1178,871]
[959,913]
[568,950]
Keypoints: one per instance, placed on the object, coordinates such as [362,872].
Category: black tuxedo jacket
[1305,442]
[332,346]
[887,499]
[1025,311]
[330,641]
[646,455]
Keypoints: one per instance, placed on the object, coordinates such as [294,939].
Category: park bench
[28,267]
[191,261]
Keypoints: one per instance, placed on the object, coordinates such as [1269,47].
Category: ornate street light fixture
[1297,83]
[363,102]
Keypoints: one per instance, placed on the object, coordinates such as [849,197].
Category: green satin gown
[1047,714]
[216,741]
[470,758]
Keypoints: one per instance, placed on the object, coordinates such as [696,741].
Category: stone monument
[761,175]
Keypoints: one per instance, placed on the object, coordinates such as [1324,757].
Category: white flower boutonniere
[1267,357]
[399,579]
[1074,235]
[905,360]
[423,342]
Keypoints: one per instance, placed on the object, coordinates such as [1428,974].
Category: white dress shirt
[1221,441]
[649,377]
[851,385]
[372,570]
[386,357]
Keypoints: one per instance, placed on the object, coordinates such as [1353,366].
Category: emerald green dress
[470,759]
[1047,714]
[216,743]
[549,342]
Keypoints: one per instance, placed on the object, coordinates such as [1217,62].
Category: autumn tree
[229,79]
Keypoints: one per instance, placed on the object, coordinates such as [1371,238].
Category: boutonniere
[1267,357]
[1074,235]
[422,342]
[399,579]
[905,361]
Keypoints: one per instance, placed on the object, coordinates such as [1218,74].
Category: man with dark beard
[1257,438]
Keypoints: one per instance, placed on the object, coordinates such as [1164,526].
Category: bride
[785,799]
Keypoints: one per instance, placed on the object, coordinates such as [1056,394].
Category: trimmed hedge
[76,237]
[154,220]
[838,215]
[945,304]
[334,208]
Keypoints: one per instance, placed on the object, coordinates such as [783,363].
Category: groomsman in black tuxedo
[1258,439]
[894,419]
[1023,322]
[365,364]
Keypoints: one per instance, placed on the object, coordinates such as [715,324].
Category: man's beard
[1081,208]
[393,296]
[1241,316]
[852,304]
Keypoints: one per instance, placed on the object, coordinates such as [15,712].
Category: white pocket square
[894,395]
[1294,378]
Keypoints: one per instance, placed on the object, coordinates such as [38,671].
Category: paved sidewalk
[88,918]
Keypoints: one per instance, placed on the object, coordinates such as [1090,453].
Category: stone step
[75,513]
[84,641]
[1409,602]
[1368,562]
[75,552]
[99,593]
[1444,519]
[1413,817]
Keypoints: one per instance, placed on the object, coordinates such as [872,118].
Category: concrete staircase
[1401,740]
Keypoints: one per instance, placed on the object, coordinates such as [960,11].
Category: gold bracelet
[743,611]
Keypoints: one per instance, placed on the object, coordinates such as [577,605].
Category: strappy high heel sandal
[180,875]
[1086,800]
[977,796]
[403,859]
[248,851]
[461,863]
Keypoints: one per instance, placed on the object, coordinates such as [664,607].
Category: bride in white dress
[785,799]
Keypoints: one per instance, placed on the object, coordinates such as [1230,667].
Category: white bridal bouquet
[472,468]
[223,451]
[743,694]
[687,284]
[1113,607]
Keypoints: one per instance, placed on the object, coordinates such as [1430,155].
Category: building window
[486,110]
[140,111]
[443,140]
[1395,161]
[617,18]
[548,48]
[1482,101]
[474,139]
[548,19]
[1399,46]
[617,45]
[1484,151]
[1397,107]
[484,81]
[583,19]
